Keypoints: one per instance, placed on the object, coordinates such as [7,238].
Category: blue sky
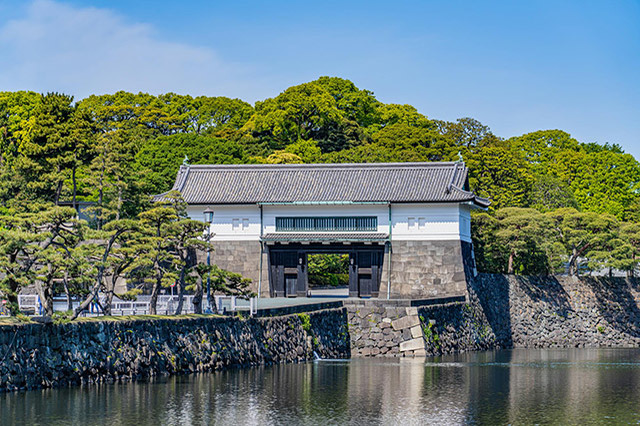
[516,66]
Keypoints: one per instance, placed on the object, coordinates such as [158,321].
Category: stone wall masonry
[385,330]
[455,328]
[425,269]
[501,312]
[242,257]
[505,312]
[48,355]
[541,312]
[407,331]
[419,269]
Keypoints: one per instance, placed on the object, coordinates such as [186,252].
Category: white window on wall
[411,222]
[414,223]
[240,224]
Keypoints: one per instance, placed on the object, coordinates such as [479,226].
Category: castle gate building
[404,226]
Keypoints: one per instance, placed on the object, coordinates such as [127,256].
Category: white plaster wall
[231,223]
[409,221]
[426,222]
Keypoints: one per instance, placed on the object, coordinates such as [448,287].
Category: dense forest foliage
[557,203]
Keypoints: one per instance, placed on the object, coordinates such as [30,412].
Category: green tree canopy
[162,156]
[500,173]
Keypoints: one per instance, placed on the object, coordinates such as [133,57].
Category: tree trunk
[48,301]
[45,291]
[75,188]
[108,301]
[67,293]
[181,291]
[154,297]
[58,192]
[197,297]
[572,262]
[12,296]
[109,291]
[510,266]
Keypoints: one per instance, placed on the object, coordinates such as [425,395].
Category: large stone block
[411,310]
[412,345]
[405,322]
[416,331]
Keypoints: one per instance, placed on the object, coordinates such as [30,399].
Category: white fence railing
[30,303]
[165,305]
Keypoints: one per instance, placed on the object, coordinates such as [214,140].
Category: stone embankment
[456,327]
[505,312]
[501,312]
[48,355]
[543,312]
[377,329]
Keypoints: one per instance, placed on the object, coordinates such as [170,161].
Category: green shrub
[305,319]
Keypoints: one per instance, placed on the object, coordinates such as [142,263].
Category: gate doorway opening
[290,273]
[328,274]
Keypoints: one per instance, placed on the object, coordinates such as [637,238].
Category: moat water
[575,386]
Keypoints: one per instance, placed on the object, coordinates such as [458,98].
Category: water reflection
[579,386]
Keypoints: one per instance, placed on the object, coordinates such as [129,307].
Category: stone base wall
[506,312]
[377,330]
[426,269]
[501,312]
[389,330]
[38,355]
[455,328]
[542,312]
[242,257]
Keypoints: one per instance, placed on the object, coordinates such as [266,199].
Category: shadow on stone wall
[615,302]
[543,312]
[491,291]
[330,334]
[547,290]
[455,328]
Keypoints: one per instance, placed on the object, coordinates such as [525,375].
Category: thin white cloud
[82,51]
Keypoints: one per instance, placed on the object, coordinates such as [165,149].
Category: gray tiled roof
[309,183]
[326,236]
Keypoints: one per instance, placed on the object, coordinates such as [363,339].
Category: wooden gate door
[364,273]
[303,276]
[284,273]
[377,262]
[369,271]
[364,283]
[291,284]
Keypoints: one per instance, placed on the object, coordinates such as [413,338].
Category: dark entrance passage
[328,274]
[289,274]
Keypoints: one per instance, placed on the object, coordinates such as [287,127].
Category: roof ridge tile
[346,182]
